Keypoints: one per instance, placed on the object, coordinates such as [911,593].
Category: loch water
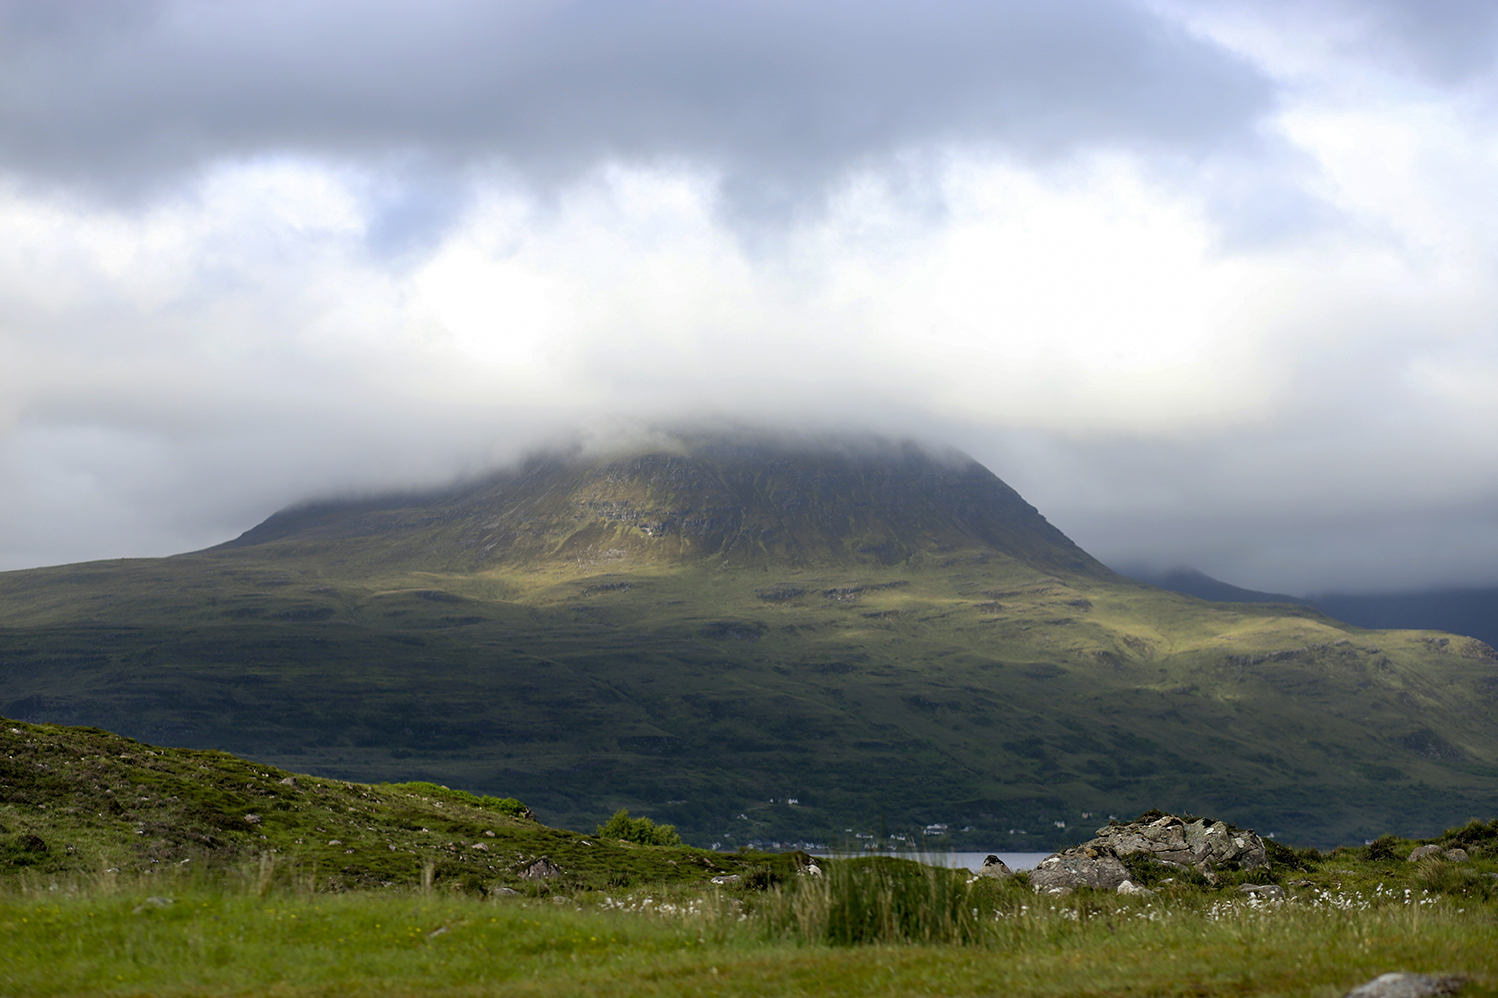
[960,860]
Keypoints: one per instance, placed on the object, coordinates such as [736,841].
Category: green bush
[1282,857]
[502,805]
[641,830]
[1479,839]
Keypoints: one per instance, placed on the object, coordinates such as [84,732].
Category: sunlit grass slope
[88,806]
[758,642]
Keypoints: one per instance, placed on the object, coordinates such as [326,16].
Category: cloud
[777,98]
[1206,290]
[1446,42]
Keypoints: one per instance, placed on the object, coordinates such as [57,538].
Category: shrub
[1477,838]
[1282,857]
[641,830]
[503,805]
[1384,847]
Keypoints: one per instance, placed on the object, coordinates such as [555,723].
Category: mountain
[745,504]
[757,640]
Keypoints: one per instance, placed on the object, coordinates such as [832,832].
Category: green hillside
[87,802]
[704,634]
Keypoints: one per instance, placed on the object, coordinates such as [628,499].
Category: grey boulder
[1262,890]
[993,866]
[1407,986]
[1085,866]
[541,869]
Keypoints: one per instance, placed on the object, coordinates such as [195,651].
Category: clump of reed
[877,900]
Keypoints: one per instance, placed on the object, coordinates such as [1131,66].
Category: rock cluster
[1200,843]
[1455,855]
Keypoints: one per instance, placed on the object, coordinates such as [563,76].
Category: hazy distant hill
[1470,612]
[1203,586]
[757,639]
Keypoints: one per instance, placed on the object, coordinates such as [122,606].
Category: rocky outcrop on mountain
[1456,855]
[1200,843]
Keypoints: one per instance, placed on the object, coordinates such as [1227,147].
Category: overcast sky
[1211,284]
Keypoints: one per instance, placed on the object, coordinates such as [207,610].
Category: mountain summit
[732,502]
[757,641]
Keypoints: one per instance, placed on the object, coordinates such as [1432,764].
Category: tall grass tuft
[875,900]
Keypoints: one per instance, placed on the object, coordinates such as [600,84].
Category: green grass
[131,870]
[83,802]
[229,938]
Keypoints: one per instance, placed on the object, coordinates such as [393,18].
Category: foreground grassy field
[129,870]
[97,936]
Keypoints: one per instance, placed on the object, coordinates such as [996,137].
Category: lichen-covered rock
[1084,866]
[1457,855]
[1200,843]
[1426,852]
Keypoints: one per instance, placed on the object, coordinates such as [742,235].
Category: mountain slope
[706,632]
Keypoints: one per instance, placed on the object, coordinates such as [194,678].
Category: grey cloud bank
[780,97]
[1207,283]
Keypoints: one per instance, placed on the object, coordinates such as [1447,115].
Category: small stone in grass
[1408,986]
